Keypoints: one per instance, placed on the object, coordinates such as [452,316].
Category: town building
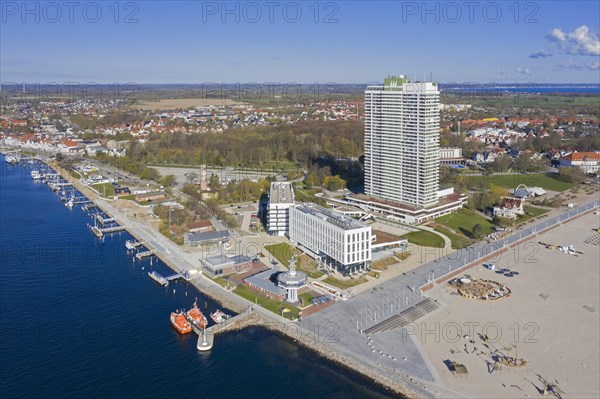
[281,199]
[265,282]
[451,156]
[200,226]
[402,134]
[291,281]
[402,157]
[588,162]
[509,207]
[222,265]
[151,196]
[206,238]
[341,243]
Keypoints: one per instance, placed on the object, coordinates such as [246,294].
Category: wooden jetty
[103,220]
[143,254]
[156,276]
[100,232]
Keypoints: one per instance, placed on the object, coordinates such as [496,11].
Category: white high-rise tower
[402,133]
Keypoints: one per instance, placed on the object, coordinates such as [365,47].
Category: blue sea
[80,319]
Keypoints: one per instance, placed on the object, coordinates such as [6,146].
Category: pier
[133,244]
[206,337]
[144,254]
[162,280]
[100,232]
[57,186]
[156,276]
[103,220]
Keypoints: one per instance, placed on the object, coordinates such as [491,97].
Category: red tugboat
[180,323]
[196,316]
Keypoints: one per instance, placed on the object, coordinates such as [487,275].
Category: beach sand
[543,321]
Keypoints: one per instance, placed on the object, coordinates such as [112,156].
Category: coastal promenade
[390,358]
[406,362]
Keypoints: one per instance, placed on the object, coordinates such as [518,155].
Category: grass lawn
[382,264]
[343,284]
[283,251]
[464,220]
[458,241]
[307,296]
[534,212]
[545,181]
[267,303]
[425,239]
[221,281]
[74,174]
[105,189]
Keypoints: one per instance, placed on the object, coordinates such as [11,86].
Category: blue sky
[196,42]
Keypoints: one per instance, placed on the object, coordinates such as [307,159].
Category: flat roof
[224,260]
[281,193]
[208,236]
[261,280]
[331,216]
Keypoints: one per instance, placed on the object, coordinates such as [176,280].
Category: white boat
[131,245]
[218,316]
[11,159]
[36,175]
[69,204]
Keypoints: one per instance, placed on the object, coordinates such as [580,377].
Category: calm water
[78,318]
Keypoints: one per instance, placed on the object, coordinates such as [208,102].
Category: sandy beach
[551,320]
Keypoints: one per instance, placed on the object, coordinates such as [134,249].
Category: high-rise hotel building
[402,134]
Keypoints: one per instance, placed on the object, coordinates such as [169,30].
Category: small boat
[36,175]
[196,316]
[219,317]
[12,160]
[131,244]
[69,204]
[180,323]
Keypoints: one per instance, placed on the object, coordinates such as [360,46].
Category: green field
[534,212]
[463,221]
[425,239]
[267,303]
[307,296]
[283,251]
[545,181]
[105,189]
[343,284]
[74,174]
[458,241]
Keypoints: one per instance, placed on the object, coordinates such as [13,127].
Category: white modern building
[402,134]
[281,198]
[402,153]
[451,155]
[343,244]
[588,162]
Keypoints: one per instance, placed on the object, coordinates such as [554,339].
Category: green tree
[477,231]
[167,180]
[334,183]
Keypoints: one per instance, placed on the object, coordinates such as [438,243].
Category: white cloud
[524,71]
[579,42]
[541,54]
